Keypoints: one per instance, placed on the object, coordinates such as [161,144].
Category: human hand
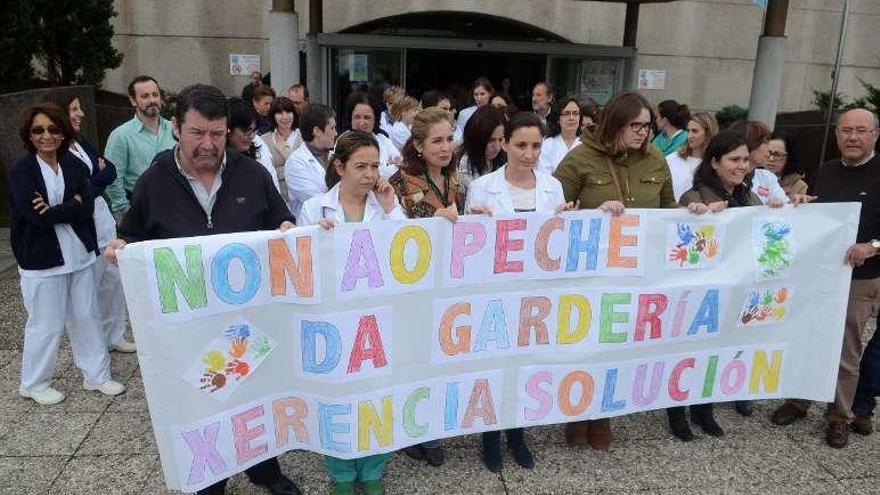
[286,225]
[480,210]
[570,206]
[616,208]
[450,213]
[385,195]
[110,251]
[858,253]
[39,204]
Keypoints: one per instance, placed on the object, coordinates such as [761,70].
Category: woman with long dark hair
[783,160]
[481,91]
[481,151]
[283,138]
[111,300]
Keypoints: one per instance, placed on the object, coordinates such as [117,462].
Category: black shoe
[701,415]
[282,486]
[434,455]
[744,407]
[522,455]
[415,452]
[678,424]
[492,455]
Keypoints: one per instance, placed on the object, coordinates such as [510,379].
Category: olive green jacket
[644,176]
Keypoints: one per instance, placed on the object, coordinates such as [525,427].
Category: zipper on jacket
[210,224]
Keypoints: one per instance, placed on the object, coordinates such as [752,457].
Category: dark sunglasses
[39,130]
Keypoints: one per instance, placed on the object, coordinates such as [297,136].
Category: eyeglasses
[776,155]
[39,130]
[640,126]
[858,131]
[571,114]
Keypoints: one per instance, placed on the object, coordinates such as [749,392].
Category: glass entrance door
[370,70]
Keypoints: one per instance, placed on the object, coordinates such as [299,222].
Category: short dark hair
[793,160]
[347,144]
[139,79]
[314,115]
[485,83]
[300,86]
[477,131]
[551,91]
[282,104]
[705,175]
[261,92]
[553,126]
[239,114]
[677,114]
[433,98]
[520,120]
[206,100]
[55,114]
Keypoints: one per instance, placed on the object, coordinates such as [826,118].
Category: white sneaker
[110,387]
[124,346]
[43,394]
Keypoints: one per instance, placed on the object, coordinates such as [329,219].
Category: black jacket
[99,179]
[163,205]
[32,235]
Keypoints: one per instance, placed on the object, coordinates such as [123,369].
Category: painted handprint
[775,253]
[238,331]
[238,348]
[237,367]
[693,245]
[212,381]
[262,347]
[214,361]
[767,306]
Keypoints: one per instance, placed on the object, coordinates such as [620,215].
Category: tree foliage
[17,45]
[69,41]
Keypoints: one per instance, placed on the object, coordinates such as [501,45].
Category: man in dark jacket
[855,177]
[201,188]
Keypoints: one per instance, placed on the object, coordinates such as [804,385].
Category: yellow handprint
[214,361]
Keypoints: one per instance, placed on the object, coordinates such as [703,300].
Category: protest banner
[369,338]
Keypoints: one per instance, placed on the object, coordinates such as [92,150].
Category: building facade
[701,52]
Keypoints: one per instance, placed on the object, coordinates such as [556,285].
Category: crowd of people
[74,207]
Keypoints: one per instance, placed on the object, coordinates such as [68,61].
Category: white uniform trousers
[55,302]
[111,301]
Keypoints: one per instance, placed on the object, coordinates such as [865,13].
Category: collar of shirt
[859,164]
[141,127]
[188,175]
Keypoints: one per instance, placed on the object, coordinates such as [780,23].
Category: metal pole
[835,77]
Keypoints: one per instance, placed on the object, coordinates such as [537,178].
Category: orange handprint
[238,348]
[781,295]
[712,249]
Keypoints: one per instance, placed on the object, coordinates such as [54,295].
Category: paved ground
[98,445]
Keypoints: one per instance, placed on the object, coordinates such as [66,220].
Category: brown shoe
[837,435]
[787,414]
[600,434]
[863,424]
[578,433]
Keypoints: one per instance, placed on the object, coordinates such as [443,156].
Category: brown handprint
[213,381]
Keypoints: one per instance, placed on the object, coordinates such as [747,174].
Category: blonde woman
[684,162]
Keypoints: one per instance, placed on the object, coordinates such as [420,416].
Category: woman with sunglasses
[111,300]
[55,244]
[782,160]
[241,122]
[615,168]
[564,129]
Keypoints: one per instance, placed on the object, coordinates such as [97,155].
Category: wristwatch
[875,244]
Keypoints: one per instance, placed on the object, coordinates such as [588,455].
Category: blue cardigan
[32,235]
[99,179]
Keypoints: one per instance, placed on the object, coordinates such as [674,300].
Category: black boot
[744,407]
[701,415]
[521,453]
[679,425]
[492,451]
